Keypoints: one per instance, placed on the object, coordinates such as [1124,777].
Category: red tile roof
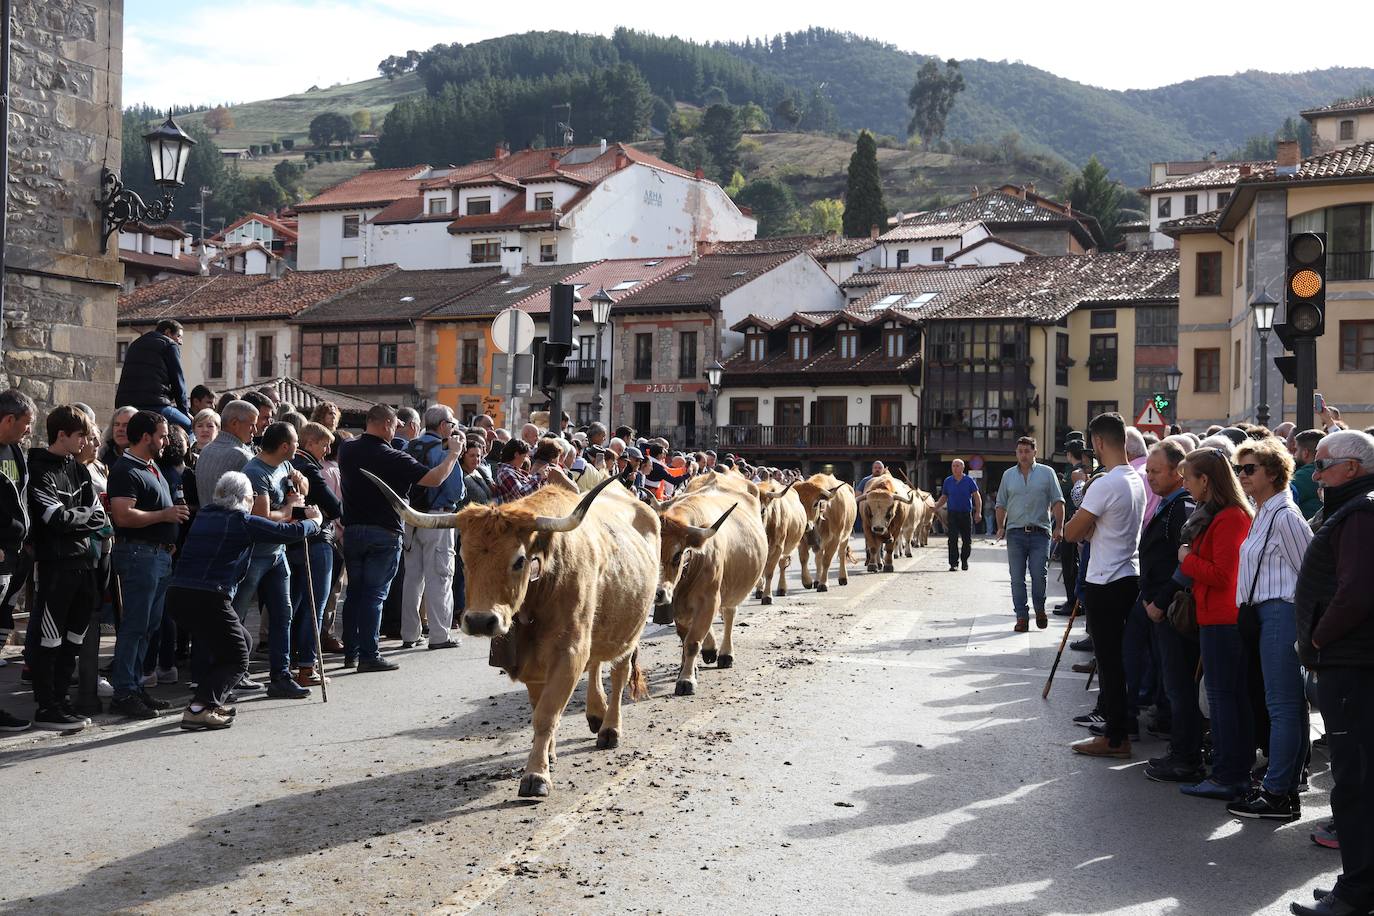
[607,275]
[285,228]
[401,295]
[186,264]
[915,232]
[1218,175]
[992,240]
[705,283]
[373,188]
[236,296]
[304,396]
[913,284]
[1355,162]
[1357,105]
[1198,222]
[497,296]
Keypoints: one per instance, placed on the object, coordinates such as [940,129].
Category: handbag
[1247,616]
[1183,613]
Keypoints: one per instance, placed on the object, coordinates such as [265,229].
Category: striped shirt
[1278,562]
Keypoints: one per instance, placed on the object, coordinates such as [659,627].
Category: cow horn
[835,489]
[700,535]
[569,522]
[769,497]
[412,518]
[910,499]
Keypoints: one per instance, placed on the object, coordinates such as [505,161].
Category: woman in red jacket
[1212,564]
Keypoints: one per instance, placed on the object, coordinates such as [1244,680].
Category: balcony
[686,438]
[583,372]
[1350,265]
[802,440]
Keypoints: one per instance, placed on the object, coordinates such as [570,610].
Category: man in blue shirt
[963,505]
[429,552]
[1030,511]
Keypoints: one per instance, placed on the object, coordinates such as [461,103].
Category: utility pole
[200,208]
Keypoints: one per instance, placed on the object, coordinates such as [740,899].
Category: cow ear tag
[536,569]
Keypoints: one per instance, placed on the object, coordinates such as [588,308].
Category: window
[467,367]
[437,205]
[687,354]
[744,411]
[583,413]
[543,201]
[1164,207]
[789,413]
[1357,346]
[937,253]
[641,417]
[479,206]
[1207,370]
[548,251]
[903,256]
[1061,359]
[799,345]
[849,344]
[894,343]
[1102,320]
[350,226]
[1347,131]
[267,355]
[1189,204]
[1061,418]
[886,411]
[1097,408]
[1223,198]
[329,356]
[348,263]
[1156,326]
[687,422]
[757,345]
[644,356]
[1208,269]
[486,251]
[1235,367]
[121,348]
[624,285]
[386,355]
[1240,259]
[1102,358]
[1349,239]
[216,367]
[889,300]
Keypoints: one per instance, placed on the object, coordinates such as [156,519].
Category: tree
[671,150]
[752,118]
[362,121]
[773,203]
[863,195]
[1091,191]
[697,156]
[218,119]
[290,176]
[328,127]
[820,115]
[932,98]
[789,112]
[720,132]
[825,216]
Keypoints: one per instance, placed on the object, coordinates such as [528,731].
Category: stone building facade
[60,291]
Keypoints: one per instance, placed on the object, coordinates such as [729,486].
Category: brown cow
[884,508]
[830,513]
[784,523]
[564,596]
[713,551]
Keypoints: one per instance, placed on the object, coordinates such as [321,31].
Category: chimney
[1288,156]
[502,150]
[553,163]
[512,260]
[700,174]
[603,145]
[873,231]
[1212,156]
[704,247]
[975,191]
[1030,188]
[1244,170]
[621,160]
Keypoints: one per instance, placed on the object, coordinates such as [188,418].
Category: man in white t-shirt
[1109,519]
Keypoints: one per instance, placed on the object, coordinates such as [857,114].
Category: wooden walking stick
[1063,642]
[315,622]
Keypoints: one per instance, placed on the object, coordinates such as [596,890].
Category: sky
[197,51]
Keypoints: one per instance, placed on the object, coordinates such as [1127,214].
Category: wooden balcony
[860,439]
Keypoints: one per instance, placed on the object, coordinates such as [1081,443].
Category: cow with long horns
[784,523]
[713,551]
[884,508]
[563,586]
[830,512]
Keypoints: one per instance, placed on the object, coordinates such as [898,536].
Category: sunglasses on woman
[1244,469]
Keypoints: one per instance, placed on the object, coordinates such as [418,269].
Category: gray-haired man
[428,552]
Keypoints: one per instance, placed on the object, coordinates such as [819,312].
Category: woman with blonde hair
[1269,562]
[1212,562]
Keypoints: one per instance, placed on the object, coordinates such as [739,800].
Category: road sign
[524,375]
[1149,417]
[502,331]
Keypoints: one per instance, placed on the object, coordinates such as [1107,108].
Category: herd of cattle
[563,585]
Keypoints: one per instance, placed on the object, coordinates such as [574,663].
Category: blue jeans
[1028,549]
[173,415]
[307,619]
[1224,672]
[144,571]
[269,578]
[372,556]
[1178,657]
[1283,695]
[1143,669]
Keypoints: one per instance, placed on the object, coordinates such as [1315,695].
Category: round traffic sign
[501,327]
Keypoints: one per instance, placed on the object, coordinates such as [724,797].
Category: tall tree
[218,119]
[671,151]
[825,216]
[362,121]
[789,112]
[720,132]
[330,126]
[820,115]
[1093,192]
[932,98]
[773,203]
[863,195]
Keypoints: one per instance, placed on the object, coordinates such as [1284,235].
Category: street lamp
[1263,308]
[601,303]
[169,149]
[713,373]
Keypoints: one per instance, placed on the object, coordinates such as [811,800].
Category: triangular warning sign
[1149,416]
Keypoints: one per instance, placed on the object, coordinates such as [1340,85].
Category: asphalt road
[879,748]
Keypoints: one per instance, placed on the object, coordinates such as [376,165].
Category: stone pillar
[61,293]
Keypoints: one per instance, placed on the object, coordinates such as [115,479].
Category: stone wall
[60,291]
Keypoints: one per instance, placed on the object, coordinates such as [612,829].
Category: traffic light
[1306,314]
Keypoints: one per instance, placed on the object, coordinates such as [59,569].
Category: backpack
[419,449]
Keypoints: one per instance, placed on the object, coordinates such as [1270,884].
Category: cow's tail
[639,684]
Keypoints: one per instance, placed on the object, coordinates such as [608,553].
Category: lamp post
[601,303]
[1263,308]
[169,149]
[713,374]
[1172,380]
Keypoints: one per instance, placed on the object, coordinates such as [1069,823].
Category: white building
[555,206]
[1342,124]
[1179,189]
[924,244]
[151,253]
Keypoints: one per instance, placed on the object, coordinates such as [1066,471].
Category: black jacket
[1335,594]
[68,518]
[152,376]
[478,487]
[1159,544]
[319,495]
[14,513]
